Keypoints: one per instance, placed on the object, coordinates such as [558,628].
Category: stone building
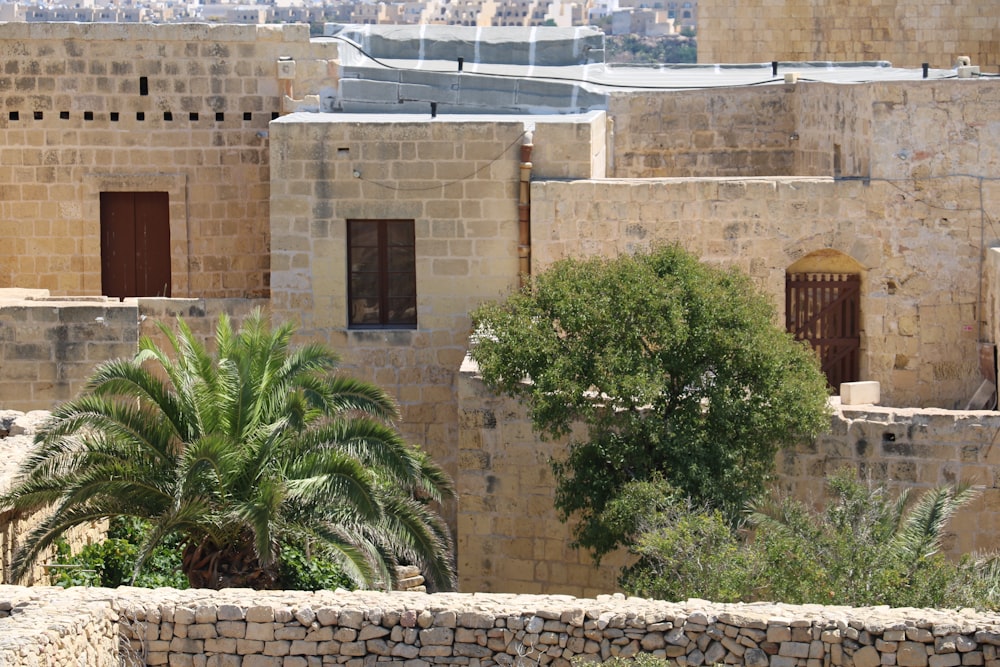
[905,32]
[375,185]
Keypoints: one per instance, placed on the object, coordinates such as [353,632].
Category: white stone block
[860,393]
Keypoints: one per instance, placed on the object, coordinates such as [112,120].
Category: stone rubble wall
[243,628]
[17,431]
[43,627]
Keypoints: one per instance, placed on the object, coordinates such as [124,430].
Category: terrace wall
[242,628]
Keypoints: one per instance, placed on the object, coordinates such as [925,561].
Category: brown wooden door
[135,244]
[825,309]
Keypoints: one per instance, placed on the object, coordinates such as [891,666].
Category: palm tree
[258,445]
[868,549]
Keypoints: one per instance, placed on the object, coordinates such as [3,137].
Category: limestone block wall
[181,109]
[991,301]
[834,129]
[722,132]
[200,315]
[908,449]
[456,178]
[48,348]
[905,32]
[937,132]
[510,538]
[286,629]
[920,255]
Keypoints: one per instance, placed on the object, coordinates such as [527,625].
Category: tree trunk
[234,566]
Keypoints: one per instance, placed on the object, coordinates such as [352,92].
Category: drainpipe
[524,212]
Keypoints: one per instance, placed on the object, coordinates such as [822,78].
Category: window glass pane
[364,311]
[364,260]
[401,259]
[362,233]
[402,311]
[402,284]
[364,285]
[382,285]
[400,233]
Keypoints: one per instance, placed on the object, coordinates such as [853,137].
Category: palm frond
[258,438]
[373,443]
[421,537]
[328,481]
[921,532]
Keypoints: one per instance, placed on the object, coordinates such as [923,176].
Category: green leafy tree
[676,369]
[239,452]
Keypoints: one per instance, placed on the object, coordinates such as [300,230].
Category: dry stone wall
[17,431]
[243,628]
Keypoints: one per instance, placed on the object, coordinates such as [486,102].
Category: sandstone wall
[50,346]
[242,628]
[722,132]
[182,109]
[833,130]
[920,278]
[457,178]
[908,449]
[510,538]
[905,32]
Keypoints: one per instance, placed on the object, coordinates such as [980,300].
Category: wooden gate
[825,309]
[135,244]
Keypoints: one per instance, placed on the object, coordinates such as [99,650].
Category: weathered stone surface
[867,656]
[475,647]
[911,654]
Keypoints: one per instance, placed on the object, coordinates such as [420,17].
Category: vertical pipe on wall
[524,211]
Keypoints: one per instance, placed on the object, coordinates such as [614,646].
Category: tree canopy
[676,369]
[241,451]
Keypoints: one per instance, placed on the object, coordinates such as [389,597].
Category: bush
[111,563]
[864,549]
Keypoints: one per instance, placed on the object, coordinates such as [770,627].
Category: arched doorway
[823,307]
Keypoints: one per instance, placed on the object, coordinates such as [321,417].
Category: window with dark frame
[382,277]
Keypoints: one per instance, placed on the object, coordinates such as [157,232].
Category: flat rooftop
[400,69]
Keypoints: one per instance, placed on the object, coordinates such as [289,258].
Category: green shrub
[111,563]
[301,570]
[864,549]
